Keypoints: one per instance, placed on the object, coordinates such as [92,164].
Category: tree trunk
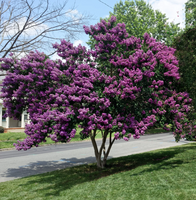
[101,162]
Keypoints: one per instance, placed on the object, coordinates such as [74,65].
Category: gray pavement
[17,164]
[16,130]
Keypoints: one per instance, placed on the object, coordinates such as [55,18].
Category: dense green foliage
[185,52]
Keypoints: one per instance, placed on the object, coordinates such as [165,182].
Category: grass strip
[7,139]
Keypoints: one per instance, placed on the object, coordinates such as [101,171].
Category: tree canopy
[126,94]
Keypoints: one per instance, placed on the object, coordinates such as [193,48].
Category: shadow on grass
[65,179]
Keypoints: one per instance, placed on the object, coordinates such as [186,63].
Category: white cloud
[77,42]
[32,29]
[106,16]
[74,15]
[56,57]
[174,10]
[71,13]
[20,55]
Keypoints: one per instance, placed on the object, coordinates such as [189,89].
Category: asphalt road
[17,164]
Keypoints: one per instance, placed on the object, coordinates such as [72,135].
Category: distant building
[10,122]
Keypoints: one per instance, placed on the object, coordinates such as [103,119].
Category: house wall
[4,124]
[13,123]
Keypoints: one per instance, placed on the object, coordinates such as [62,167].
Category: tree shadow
[40,167]
[73,175]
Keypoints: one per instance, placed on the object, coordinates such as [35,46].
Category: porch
[10,123]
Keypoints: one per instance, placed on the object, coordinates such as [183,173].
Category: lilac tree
[130,90]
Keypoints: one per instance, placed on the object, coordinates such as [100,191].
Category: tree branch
[20,32]
[110,145]
[42,19]
[94,144]
[103,144]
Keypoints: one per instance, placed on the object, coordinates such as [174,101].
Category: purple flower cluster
[125,94]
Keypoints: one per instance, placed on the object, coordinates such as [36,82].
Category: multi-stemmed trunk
[101,162]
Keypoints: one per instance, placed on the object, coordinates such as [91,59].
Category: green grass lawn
[166,174]
[7,139]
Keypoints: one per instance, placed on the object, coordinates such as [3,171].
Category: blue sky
[174,10]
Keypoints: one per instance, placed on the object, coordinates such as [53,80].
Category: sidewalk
[14,130]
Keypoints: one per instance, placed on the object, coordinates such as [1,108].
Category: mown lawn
[7,139]
[166,174]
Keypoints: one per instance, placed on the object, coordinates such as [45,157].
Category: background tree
[184,43]
[27,25]
[185,53]
[190,13]
[139,18]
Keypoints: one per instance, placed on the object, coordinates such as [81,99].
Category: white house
[10,122]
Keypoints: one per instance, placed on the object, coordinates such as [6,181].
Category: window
[3,112]
[25,117]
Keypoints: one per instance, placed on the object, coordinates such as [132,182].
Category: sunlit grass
[165,174]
